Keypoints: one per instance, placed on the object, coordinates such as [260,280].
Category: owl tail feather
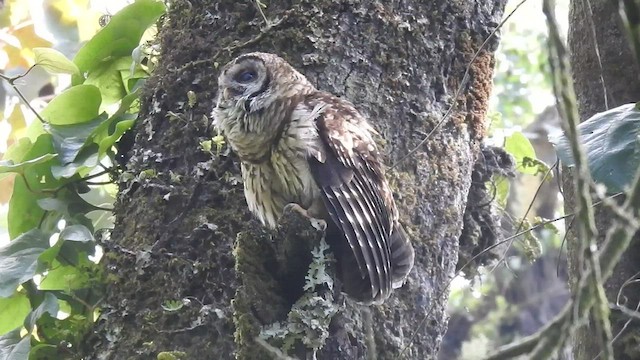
[402,256]
[358,285]
[351,281]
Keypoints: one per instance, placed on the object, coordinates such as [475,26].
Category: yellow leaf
[70,10]
[22,56]
[54,61]
[17,122]
[89,25]
[6,188]
[78,13]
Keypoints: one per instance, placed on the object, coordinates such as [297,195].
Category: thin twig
[12,80]
[521,223]
[596,47]
[630,14]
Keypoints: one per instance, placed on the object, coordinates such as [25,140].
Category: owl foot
[318,224]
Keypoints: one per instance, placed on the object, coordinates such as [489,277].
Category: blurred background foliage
[62,121]
[508,300]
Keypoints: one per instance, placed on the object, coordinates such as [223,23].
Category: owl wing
[347,169]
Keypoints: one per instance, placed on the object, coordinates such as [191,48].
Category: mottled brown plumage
[303,146]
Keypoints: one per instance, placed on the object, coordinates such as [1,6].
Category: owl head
[252,82]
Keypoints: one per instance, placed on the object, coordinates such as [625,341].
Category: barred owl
[307,147]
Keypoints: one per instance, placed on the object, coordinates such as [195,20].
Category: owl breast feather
[285,176]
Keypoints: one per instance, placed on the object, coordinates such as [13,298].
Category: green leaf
[13,346]
[54,61]
[44,351]
[111,130]
[610,139]
[84,162]
[75,147]
[537,166]
[19,260]
[521,149]
[52,204]
[77,233]
[70,330]
[18,150]
[66,278]
[67,202]
[123,124]
[7,166]
[47,258]
[172,305]
[68,140]
[502,187]
[205,145]
[121,35]
[76,105]
[24,213]
[48,305]
[108,77]
[76,253]
[13,311]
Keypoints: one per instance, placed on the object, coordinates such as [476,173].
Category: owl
[309,148]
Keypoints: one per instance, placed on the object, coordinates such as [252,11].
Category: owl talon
[297,208]
[318,224]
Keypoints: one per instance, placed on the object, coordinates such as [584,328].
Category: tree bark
[616,71]
[184,233]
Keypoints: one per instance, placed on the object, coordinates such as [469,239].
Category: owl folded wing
[346,167]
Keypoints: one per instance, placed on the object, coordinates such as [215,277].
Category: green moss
[171,355]
[258,294]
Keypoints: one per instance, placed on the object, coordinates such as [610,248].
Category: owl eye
[246,76]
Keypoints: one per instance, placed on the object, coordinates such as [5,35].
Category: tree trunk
[183,231]
[618,74]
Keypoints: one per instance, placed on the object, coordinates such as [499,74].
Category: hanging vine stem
[630,14]
[596,47]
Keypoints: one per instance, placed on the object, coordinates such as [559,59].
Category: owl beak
[226,93]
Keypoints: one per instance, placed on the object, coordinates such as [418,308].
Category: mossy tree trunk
[183,231]
[602,82]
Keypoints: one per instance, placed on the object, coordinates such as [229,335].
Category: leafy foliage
[521,149]
[610,139]
[518,146]
[45,268]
